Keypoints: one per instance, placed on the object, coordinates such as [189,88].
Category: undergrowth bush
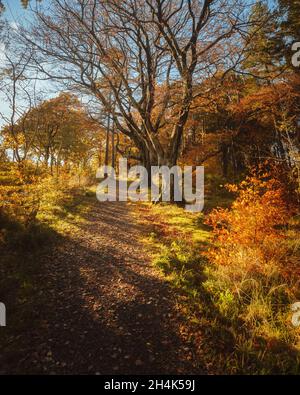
[253,221]
[237,274]
[29,199]
[252,278]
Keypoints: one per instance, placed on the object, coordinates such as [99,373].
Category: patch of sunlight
[187,223]
[201,236]
[68,218]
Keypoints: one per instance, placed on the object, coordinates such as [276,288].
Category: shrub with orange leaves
[252,277]
[253,222]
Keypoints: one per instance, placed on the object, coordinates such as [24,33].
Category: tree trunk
[106,159]
[113,148]
[224,150]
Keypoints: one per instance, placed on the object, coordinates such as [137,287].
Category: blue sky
[15,13]
[14,9]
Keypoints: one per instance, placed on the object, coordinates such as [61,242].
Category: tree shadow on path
[103,309]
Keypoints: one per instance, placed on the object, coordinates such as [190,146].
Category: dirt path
[106,310]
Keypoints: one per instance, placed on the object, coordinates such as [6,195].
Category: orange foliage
[253,221]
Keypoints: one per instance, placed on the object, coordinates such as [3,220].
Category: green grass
[67,213]
[247,335]
[21,261]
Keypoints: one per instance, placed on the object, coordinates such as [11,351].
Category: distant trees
[57,132]
[17,92]
[264,49]
[244,121]
[290,25]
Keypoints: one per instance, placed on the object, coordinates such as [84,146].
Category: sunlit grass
[60,216]
[251,334]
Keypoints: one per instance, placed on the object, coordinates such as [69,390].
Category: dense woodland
[161,82]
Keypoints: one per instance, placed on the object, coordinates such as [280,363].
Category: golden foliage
[253,221]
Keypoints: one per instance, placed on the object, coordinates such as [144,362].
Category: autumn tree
[18,93]
[264,49]
[56,132]
[290,25]
[141,49]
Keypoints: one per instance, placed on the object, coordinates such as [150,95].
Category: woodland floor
[98,306]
